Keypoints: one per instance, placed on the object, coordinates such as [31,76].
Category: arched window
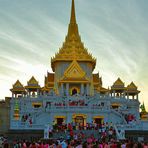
[74,91]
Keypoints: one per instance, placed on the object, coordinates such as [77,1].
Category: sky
[114,31]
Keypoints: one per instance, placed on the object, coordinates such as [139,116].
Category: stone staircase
[118,114]
[87,133]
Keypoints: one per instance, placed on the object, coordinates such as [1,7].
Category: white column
[127,96]
[29,93]
[67,89]
[82,89]
[22,94]
[124,94]
[12,95]
[38,92]
[137,97]
[133,97]
[87,89]
[114,93]
[62,89]
[44,93]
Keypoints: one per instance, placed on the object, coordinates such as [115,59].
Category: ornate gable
[18,84]
[118,82]
[74,71]
[33,81]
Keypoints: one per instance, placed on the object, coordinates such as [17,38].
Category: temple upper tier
[73,68]
[73,48]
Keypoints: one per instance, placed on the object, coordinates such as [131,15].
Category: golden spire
[73,48]
[73,16]
[73,27]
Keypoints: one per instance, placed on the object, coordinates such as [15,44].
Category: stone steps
[87,133]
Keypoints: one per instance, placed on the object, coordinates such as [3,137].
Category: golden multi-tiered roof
[132,88]
[118,85]
[73,48]
[32,83]
[18,87]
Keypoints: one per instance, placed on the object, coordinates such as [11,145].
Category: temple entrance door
[74,91]
[60,121]
[79,120]
[98,120]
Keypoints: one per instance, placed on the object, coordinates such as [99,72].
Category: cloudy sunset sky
[114,31]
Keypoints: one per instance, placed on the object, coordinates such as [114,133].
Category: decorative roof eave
[93,60]
[118,88]
[132,91]
[67,59]
[18,90]
[102,90]
[32,87]
[73,81]
[45,89]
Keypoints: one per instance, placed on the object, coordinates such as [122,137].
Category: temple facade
[73,93]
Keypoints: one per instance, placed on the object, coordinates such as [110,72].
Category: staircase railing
[120,132]
[117,113]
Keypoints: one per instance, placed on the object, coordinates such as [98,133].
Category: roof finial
[73,16]
[73,27]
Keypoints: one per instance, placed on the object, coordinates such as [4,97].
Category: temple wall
[4,116]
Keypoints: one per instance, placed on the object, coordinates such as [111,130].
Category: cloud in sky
[31,32]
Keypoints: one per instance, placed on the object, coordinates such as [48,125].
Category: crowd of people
[72,103]
[78,142]
[78,138]
[81,126]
